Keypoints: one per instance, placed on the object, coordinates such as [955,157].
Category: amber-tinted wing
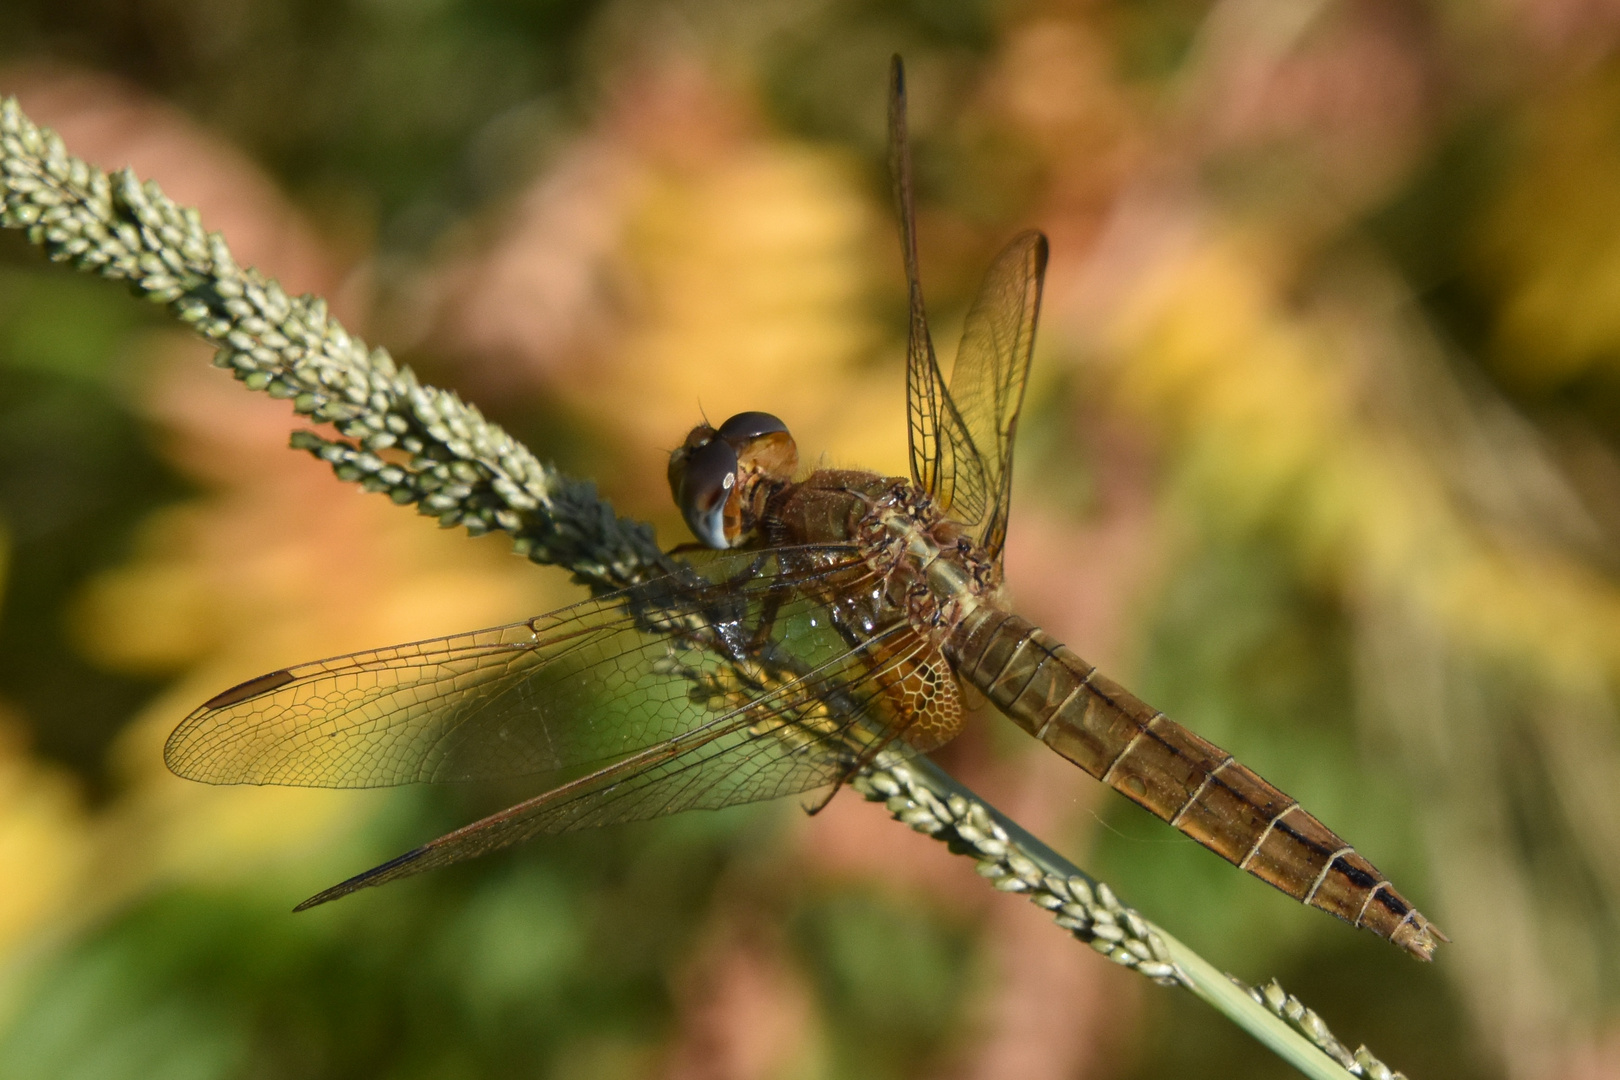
[791,735]
[992,366]
[591,682]
[745,676]
[944,461]
[961,436]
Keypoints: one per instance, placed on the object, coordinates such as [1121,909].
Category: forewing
[992,367]
[944,461]
[799,731]
[590,682]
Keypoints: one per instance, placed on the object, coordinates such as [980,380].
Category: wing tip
[242,691]
[377,875]
[180,753]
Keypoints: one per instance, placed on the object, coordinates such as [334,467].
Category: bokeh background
[1321,455]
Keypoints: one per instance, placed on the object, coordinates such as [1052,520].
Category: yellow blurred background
[1321,455]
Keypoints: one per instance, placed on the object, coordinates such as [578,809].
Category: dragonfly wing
[798,732]
[944,461]
[992,366]
[591,682]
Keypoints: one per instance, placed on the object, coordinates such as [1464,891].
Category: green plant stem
[425,447]
[1016,861]
[1278,1020]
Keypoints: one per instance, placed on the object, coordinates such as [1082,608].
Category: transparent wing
[800,732]
[590,682]
[944,460]
[992,366]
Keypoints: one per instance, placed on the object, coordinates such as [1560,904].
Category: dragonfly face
[720,475]
[835,616]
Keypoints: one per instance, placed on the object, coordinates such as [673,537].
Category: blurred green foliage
[373,103]
[77,475]
[892,983]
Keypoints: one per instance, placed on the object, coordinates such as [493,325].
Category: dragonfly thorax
[927,565]
[941,573]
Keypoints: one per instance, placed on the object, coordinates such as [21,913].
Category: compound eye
[704,485]
[750,425]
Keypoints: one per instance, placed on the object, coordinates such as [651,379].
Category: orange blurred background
[1321,455]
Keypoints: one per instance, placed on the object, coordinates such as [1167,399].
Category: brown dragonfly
[826,620]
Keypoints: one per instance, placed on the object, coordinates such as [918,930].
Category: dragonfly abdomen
[1176,775]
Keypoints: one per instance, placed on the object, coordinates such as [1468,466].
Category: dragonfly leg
[821,803]
[866,758]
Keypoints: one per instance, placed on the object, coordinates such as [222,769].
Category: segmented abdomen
[1181,778]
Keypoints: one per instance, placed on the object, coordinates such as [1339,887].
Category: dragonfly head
[720,477]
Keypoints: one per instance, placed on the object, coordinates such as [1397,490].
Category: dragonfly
[821,621]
